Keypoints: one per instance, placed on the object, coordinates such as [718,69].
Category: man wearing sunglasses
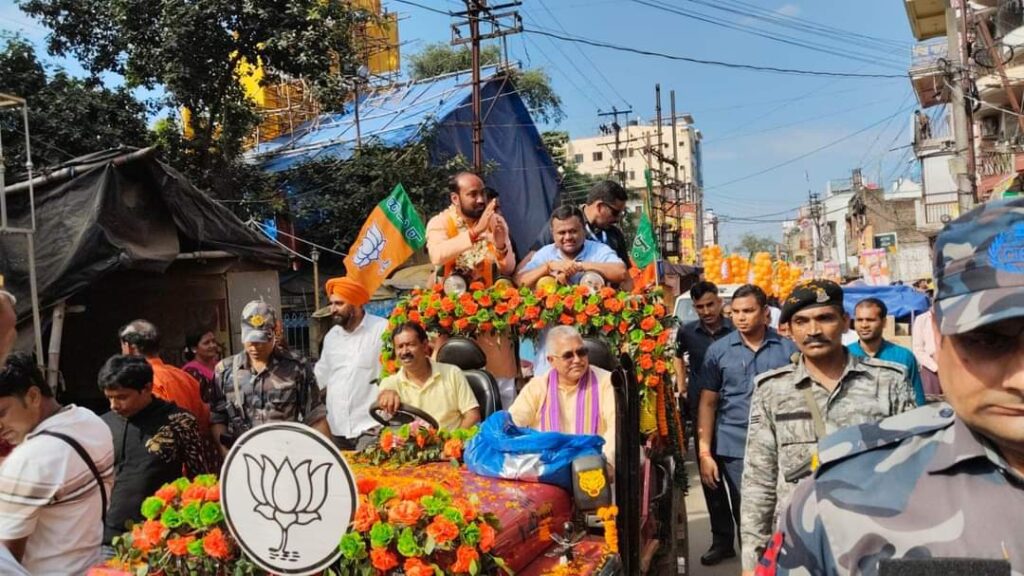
[573,397]
[606,203]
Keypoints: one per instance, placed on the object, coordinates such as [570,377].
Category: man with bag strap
[55,483]
[470,239]
[795,406]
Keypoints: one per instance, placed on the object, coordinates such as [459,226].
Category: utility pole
[963,121]
[477,12]
[617,128]
[814,208]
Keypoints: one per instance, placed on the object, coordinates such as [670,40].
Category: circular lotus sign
[288,498]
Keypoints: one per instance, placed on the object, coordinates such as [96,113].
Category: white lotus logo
[287,495]
[371,248]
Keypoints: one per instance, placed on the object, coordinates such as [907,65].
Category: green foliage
[68,117]
[193,50]
[752,244]
[534,85]
[332,197]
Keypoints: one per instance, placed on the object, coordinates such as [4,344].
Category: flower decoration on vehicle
[182,533]
[420,530]
[412,444]
[635,323]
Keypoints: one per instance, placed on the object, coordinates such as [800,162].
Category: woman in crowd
[202,353]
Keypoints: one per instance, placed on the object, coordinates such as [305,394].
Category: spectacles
[580,353]
[615,211]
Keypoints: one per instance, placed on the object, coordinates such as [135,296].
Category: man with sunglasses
[573,397]
[606,203]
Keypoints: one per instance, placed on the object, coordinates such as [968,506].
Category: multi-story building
[624,153]
[993,134]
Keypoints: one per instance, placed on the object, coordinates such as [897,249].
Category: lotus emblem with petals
[287,495]
[371,249]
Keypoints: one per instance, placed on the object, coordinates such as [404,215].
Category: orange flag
[391,234]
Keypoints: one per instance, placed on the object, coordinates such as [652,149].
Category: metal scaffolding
[16,106]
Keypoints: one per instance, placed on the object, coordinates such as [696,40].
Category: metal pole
[359,136]
[34,292]
[675,139]
[56,335]
[972,164]
[474,31]
[315,256]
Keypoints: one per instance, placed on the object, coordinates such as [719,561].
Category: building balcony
[928,63]
[932,217]
[927,18]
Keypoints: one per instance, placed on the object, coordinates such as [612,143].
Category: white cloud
[788,10]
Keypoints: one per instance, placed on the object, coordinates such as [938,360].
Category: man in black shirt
[606,203]
[155,442]
[692,341]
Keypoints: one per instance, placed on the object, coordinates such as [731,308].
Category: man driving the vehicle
[439,389]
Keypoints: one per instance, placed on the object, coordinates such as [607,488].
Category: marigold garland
[611,533]
[635,323]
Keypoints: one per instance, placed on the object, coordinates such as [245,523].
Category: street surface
[700,529]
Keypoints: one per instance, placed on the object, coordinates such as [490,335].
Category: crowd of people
[771,407]
[75,479]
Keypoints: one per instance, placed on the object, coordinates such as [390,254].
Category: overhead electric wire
[586,77]
[428,8]
[839,112]
[847,54]
[805,154]
[719,63]
[585,56]
[565,75]
[805,26]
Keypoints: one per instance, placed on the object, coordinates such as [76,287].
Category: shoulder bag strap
[812,406]
[88,462]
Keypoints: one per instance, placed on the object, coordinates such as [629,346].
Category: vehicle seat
[601,354]
[467,355]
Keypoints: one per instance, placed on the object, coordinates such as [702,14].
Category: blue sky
[750,120]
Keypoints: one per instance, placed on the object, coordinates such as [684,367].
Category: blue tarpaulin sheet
[523,173]
[902,301]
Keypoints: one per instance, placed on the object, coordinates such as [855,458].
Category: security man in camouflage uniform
[825,389]
[946,480]
[263,383]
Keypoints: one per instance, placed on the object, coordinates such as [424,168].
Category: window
[632,173]
[631,152]
[597,157]
[577,159]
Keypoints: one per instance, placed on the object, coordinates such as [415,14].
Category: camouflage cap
[258,321]
[811,294]
[979,267]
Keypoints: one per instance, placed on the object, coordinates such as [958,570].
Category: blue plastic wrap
[503,450]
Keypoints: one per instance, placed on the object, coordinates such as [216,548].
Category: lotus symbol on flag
[371,248]
[287,495]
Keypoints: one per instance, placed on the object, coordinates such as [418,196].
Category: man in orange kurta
[471,239]
[141,338]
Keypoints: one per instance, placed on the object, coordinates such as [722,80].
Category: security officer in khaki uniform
[793,407]
[940,488]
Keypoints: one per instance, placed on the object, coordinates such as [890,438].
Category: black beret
[810,295]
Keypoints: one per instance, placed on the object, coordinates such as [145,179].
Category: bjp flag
[390,235]
[644,254]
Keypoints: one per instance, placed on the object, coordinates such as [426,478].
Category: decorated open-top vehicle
[422,511]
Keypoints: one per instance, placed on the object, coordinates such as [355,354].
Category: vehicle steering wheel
[404,415]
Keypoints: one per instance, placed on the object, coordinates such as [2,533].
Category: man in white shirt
[56,481]
[349,362]
[925,349]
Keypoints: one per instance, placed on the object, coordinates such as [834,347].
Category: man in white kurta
[349,362]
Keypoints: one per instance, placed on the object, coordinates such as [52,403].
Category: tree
[752,244]
[534,85]
[330,199]
[68,117]
[195,51]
